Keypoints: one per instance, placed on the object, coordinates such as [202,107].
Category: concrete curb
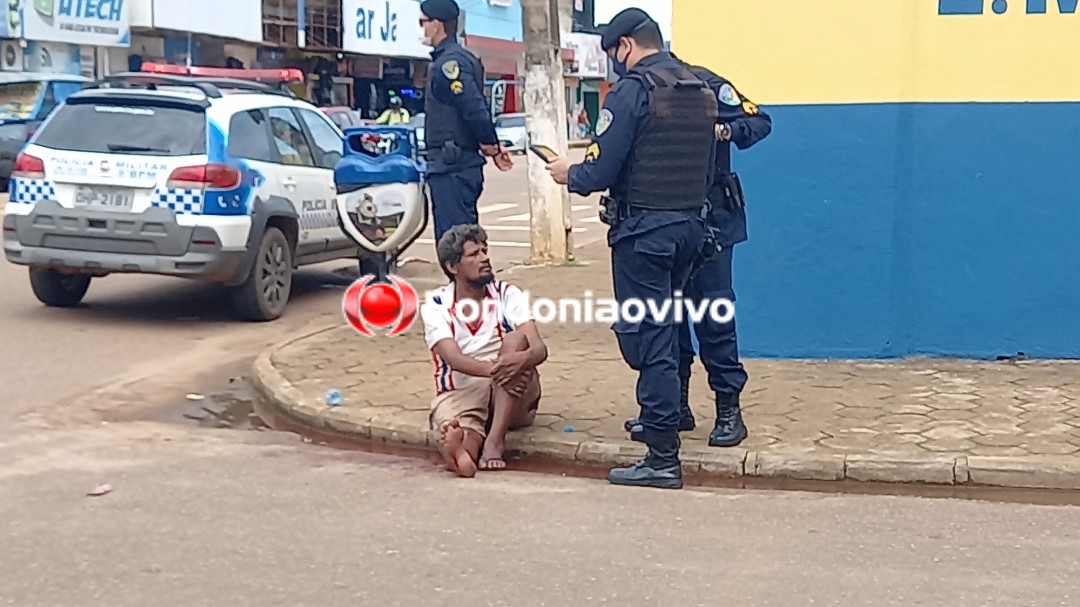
[283,399]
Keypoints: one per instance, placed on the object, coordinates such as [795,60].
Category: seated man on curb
[486,347]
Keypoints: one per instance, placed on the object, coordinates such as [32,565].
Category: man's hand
[518,385]
[560,170]
[508,367]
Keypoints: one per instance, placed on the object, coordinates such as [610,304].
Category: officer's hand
[503,160]
[560,170]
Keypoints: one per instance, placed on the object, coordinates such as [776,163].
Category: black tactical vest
[442,121]
[671,159]
[723,148]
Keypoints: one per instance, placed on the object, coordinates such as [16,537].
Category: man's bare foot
[452,442]
[492,458]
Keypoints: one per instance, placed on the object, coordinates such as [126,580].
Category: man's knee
[514,341]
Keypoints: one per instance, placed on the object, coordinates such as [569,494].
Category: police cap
[440,10]
[625,23]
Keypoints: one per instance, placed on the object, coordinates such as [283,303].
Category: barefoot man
[486,347]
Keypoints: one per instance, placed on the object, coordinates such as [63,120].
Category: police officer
[743,123]
[458,127]
[654,151]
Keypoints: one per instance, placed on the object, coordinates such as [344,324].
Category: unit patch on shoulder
[727,95]
[451,70]
[750,108]
[456,87]
[604,121]
[592,153]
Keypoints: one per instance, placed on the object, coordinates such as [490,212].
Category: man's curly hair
[452,244]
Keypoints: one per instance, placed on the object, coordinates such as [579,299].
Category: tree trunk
[545,116]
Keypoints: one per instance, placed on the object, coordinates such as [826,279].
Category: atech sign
[388,28]
[84,22]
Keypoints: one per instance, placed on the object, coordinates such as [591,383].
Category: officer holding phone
[458,127]
[653,151]
[743,123]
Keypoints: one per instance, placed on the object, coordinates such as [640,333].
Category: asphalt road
[200,516]
[229,518]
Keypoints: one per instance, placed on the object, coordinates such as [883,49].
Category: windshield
[509,122]
[150,130]
[19,99]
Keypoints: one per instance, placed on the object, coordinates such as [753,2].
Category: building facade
[62,36]
[918,195]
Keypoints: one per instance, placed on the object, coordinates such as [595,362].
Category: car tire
[266,291]
[58,290]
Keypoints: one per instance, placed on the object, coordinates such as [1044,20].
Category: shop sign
[386,28]
[237,19]
[89,22]
[590,59]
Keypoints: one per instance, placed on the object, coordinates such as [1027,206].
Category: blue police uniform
[657,164]
[745,124]
[457,122]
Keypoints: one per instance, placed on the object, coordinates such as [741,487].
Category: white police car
[220,180]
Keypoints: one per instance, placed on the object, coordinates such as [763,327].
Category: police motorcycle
[382,195]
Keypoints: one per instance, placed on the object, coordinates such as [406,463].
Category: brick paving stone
[920,418]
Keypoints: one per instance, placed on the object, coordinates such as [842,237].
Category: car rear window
[509,122]
[137,129]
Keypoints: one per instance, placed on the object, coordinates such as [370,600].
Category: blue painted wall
[889,230]
[483,19]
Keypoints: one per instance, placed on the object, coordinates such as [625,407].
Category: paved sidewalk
[1013,424]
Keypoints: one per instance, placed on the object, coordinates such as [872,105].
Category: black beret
[440,10]
[623,24]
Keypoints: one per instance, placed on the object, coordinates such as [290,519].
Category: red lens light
[202,177]
[28,167]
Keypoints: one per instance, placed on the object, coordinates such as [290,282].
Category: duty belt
[614,211]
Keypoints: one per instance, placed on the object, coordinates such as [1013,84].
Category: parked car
[344,117]
[208,179]
[26,98]
[510,129]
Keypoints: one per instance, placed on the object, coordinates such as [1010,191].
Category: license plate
[105,199]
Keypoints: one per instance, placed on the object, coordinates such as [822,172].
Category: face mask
[425,40]
[619,66]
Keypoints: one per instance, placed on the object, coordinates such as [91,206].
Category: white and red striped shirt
[505,309]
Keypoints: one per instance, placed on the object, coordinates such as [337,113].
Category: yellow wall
[858,51]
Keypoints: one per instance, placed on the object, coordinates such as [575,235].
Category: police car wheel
[58,290]
[265,293]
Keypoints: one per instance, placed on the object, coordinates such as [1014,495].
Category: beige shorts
[469,404]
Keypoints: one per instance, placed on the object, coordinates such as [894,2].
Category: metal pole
[301,23]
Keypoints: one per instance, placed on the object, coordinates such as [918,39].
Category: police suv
[221,180]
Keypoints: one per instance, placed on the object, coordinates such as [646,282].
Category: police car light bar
[278,75]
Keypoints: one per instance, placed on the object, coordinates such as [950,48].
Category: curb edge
[1052,472]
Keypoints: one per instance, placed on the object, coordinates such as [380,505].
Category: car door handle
[289,182]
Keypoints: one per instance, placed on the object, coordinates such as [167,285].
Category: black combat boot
[660,468]
[686,417]
[730,429]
